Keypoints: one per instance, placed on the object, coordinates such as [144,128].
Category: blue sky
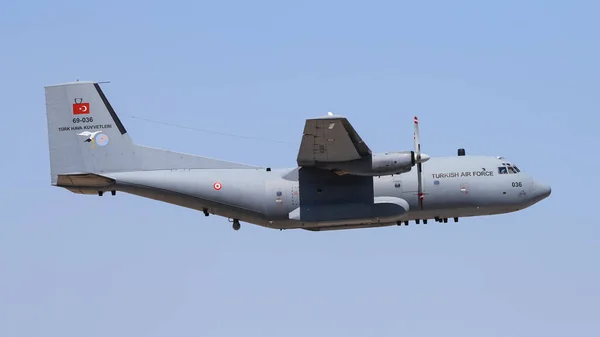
[511,78]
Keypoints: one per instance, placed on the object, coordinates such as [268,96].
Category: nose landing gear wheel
[236,225]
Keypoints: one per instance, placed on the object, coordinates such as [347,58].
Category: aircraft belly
[196,203]
[220,187]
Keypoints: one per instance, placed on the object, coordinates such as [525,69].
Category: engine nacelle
[379,164]
[392,162]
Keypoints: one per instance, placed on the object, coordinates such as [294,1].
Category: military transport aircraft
[339,183]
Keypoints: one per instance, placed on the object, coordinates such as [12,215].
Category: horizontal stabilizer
[84,180]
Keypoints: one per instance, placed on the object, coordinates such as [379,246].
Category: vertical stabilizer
[85,135]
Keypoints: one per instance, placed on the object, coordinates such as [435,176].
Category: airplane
[338,182]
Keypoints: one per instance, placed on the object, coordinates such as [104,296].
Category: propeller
[419,158]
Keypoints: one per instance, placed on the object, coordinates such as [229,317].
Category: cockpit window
[508,168]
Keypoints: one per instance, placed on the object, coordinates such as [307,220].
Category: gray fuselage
[458,186]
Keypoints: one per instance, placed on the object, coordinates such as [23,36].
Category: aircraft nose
[541,190]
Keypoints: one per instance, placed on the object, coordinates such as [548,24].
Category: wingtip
[329,115]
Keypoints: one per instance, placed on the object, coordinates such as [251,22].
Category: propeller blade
[417,144]
[419,160]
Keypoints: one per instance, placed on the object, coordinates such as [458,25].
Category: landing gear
[205,210]
[236,225]
[418,221]
[101,193]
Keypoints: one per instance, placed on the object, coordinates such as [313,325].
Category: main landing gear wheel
[236,225]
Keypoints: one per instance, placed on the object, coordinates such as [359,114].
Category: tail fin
[86,136]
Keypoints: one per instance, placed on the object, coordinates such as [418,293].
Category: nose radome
[541,190]
[545,190]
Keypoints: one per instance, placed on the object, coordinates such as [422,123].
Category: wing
[330,139]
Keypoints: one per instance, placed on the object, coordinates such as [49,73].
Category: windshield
[508,168]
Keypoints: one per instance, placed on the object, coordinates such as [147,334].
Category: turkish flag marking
[81,108]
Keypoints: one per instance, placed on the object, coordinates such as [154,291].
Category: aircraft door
[409,182]
[409,185]
[277,199]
